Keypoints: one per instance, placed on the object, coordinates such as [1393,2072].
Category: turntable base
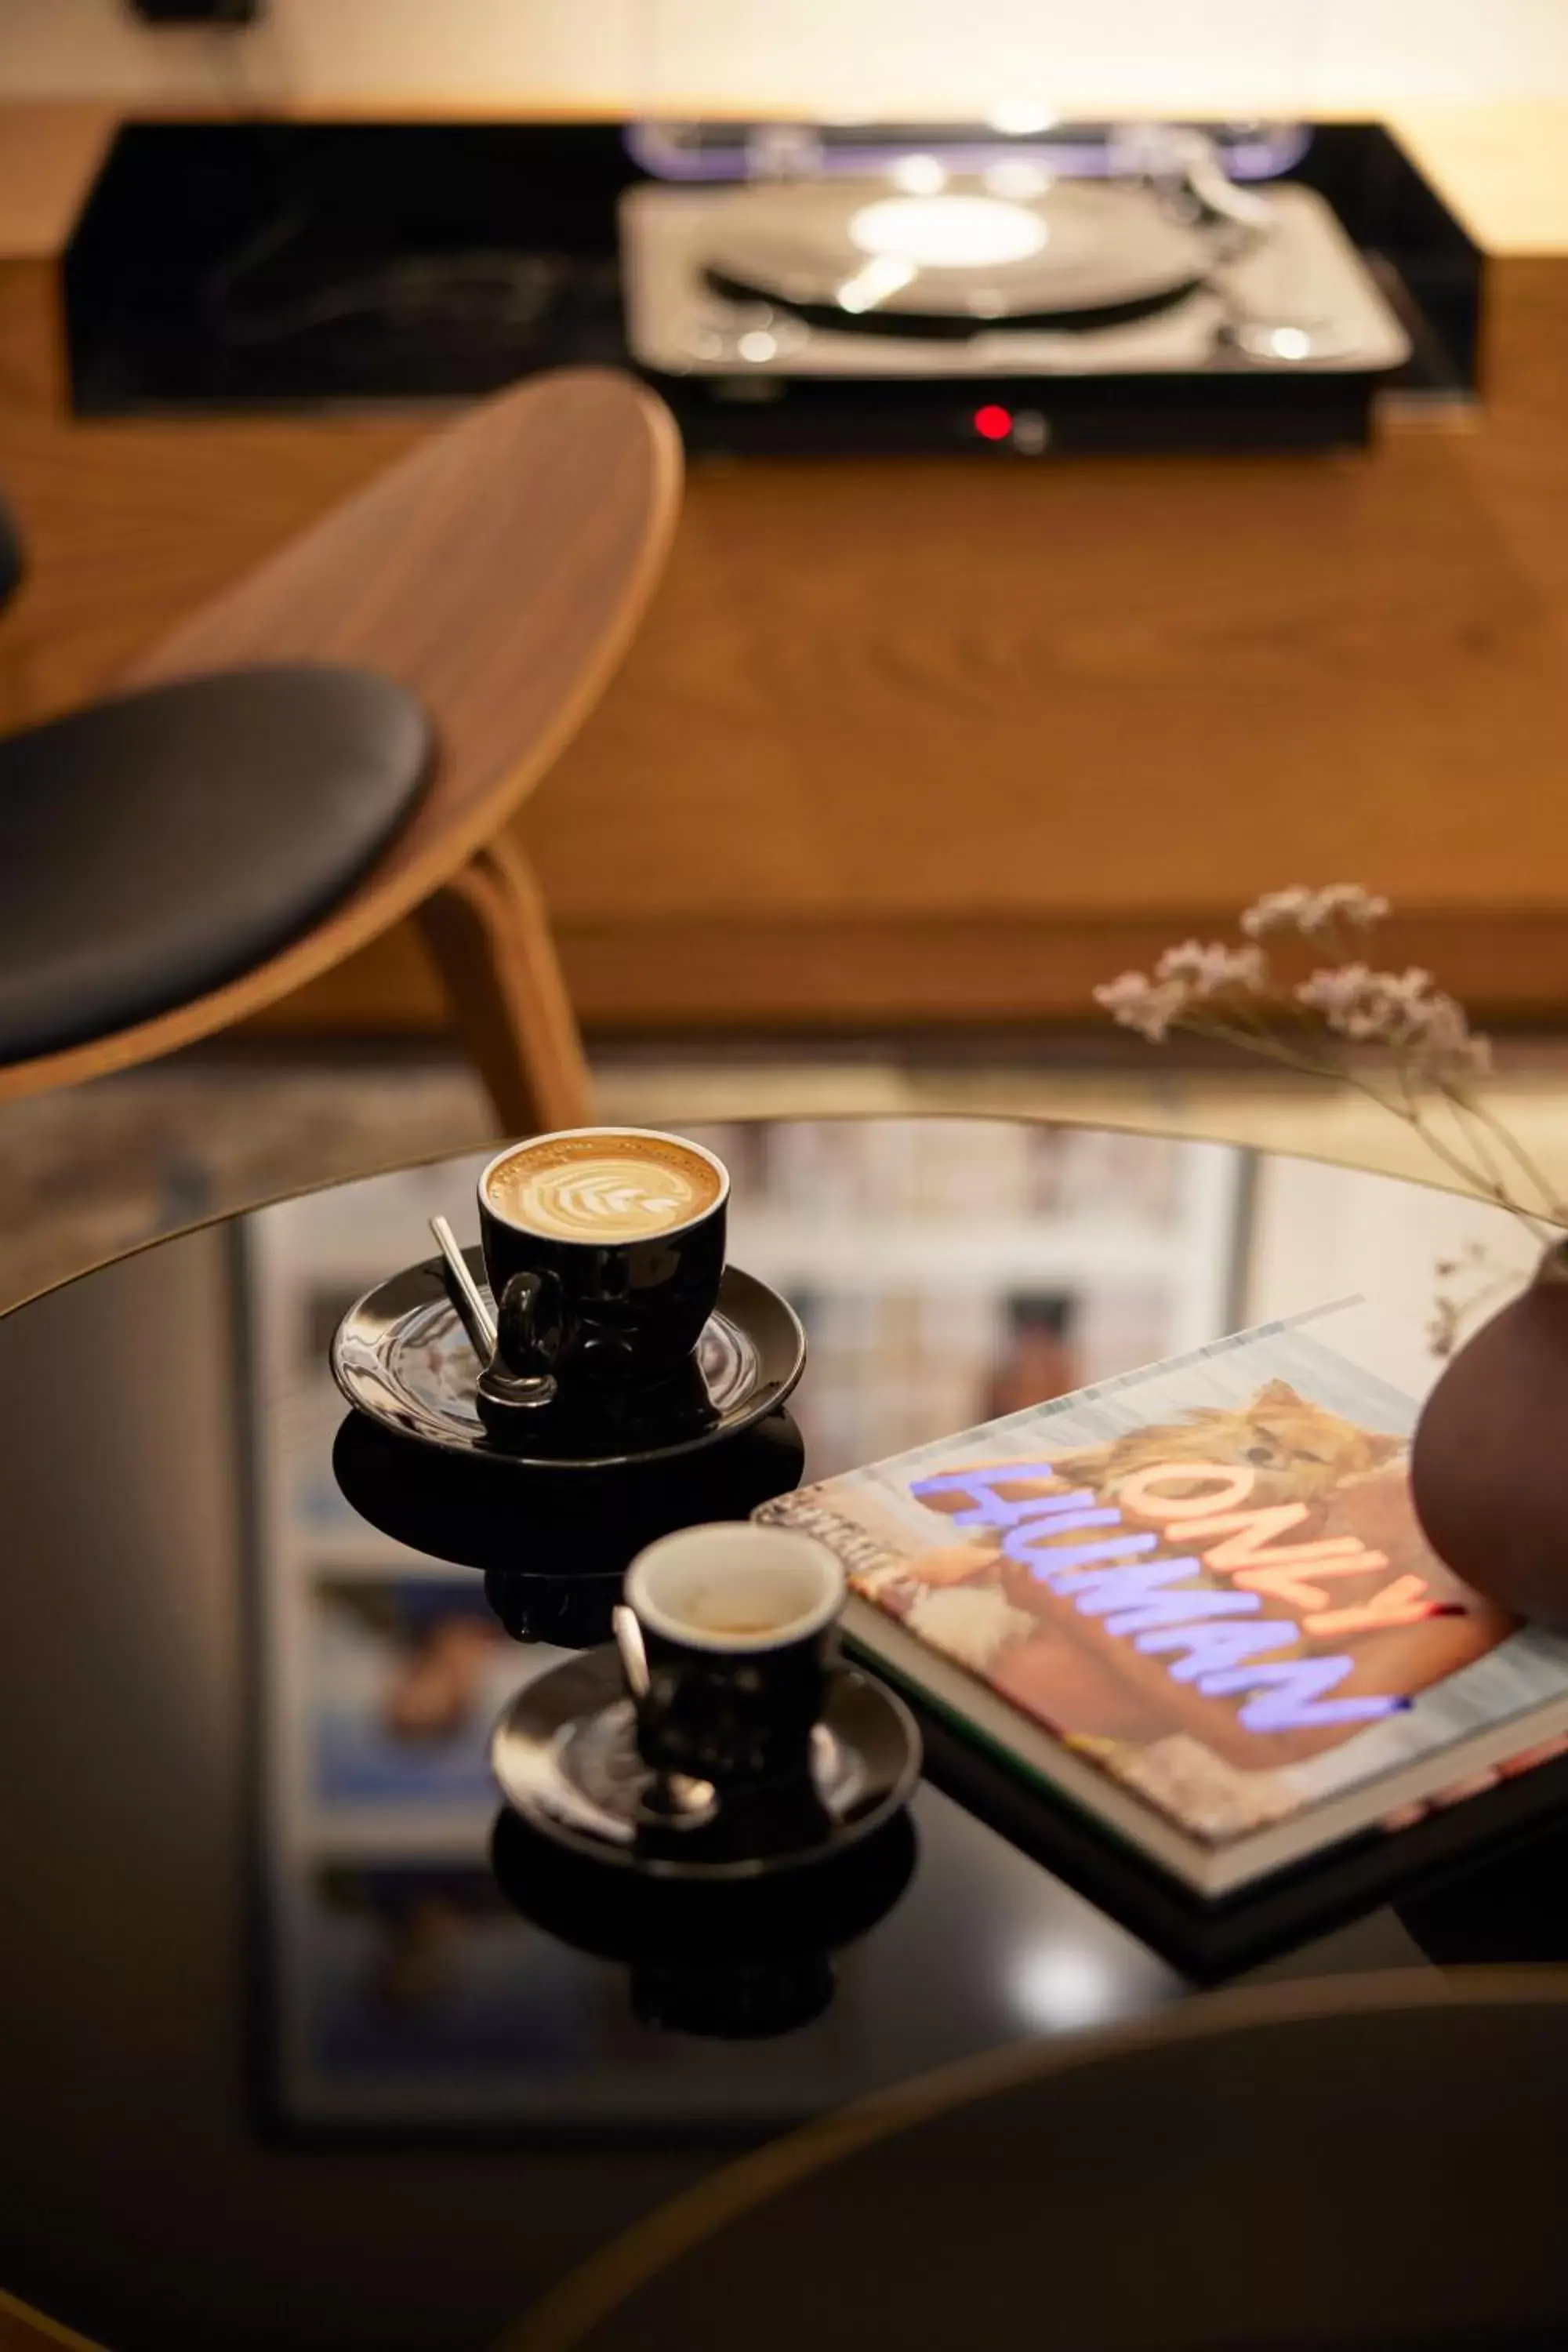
[813,319]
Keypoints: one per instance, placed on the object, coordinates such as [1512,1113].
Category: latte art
[604,1188]
[607,1196]
[613,1198]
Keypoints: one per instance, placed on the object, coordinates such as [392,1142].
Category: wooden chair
[497,574]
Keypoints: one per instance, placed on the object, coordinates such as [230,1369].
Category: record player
[992,288]
[987,295]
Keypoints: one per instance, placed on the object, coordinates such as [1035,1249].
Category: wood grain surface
[489,935]
[50,157]
[910,741]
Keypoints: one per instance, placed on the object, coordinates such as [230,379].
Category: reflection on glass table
[291,2019]
[945,1270]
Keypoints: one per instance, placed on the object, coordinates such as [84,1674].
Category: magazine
[1195,1601]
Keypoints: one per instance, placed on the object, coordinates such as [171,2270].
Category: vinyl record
[1078,252]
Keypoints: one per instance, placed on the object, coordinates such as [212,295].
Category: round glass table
[287,2057]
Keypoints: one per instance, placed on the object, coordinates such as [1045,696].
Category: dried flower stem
[1230,993]
[1477,1138]
[1554,1208]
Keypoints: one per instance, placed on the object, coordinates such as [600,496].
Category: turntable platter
[1079,253]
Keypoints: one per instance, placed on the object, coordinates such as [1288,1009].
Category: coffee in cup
[605,1248]
[604,1185]
[737,1628]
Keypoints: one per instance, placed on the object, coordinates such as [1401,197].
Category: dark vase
[1488,1464]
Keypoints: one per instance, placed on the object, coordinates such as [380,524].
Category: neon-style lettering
[989,1507]
[1404,1603]
[1131,1597]
[1135,1496]
[1298,1591]
[1211,1647]
[1153,1602]
[1294,1694]
[1183,1609]
[1037,1548]
[1250,1538]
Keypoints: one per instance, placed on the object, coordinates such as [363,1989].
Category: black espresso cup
[737,1625]
[605,1248]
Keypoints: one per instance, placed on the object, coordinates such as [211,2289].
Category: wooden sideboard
[911,742]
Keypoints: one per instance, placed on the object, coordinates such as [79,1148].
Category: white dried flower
[1276,910]
[1435,1053]
[1345,995]
[1311,911]
[1442,1042]
[1466,1282]
[1344,902]
[1402,1011]
[1145,1005]
[1442,1332]
[1207,971]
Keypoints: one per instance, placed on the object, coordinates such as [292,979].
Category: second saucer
[565,1756]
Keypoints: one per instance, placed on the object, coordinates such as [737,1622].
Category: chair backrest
[1132,2187]
[498,572]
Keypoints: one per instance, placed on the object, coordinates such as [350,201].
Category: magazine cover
[1206,1578]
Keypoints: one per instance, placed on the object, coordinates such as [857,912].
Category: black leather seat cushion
[157,844]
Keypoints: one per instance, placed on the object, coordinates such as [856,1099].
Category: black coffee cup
[737,1625]
[605,1248]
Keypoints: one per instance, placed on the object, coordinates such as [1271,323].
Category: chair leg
[489,933]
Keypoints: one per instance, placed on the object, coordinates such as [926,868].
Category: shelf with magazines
[947,1270]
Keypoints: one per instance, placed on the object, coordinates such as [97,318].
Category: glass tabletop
[289,2051]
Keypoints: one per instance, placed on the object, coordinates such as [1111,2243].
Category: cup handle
[634,1657]
[528,1325]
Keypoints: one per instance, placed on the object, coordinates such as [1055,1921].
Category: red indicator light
[993,423]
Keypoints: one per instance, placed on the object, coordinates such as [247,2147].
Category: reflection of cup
[749,1957]
[554,1547]
[605,1248]
[737,1625]
[732,2001]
